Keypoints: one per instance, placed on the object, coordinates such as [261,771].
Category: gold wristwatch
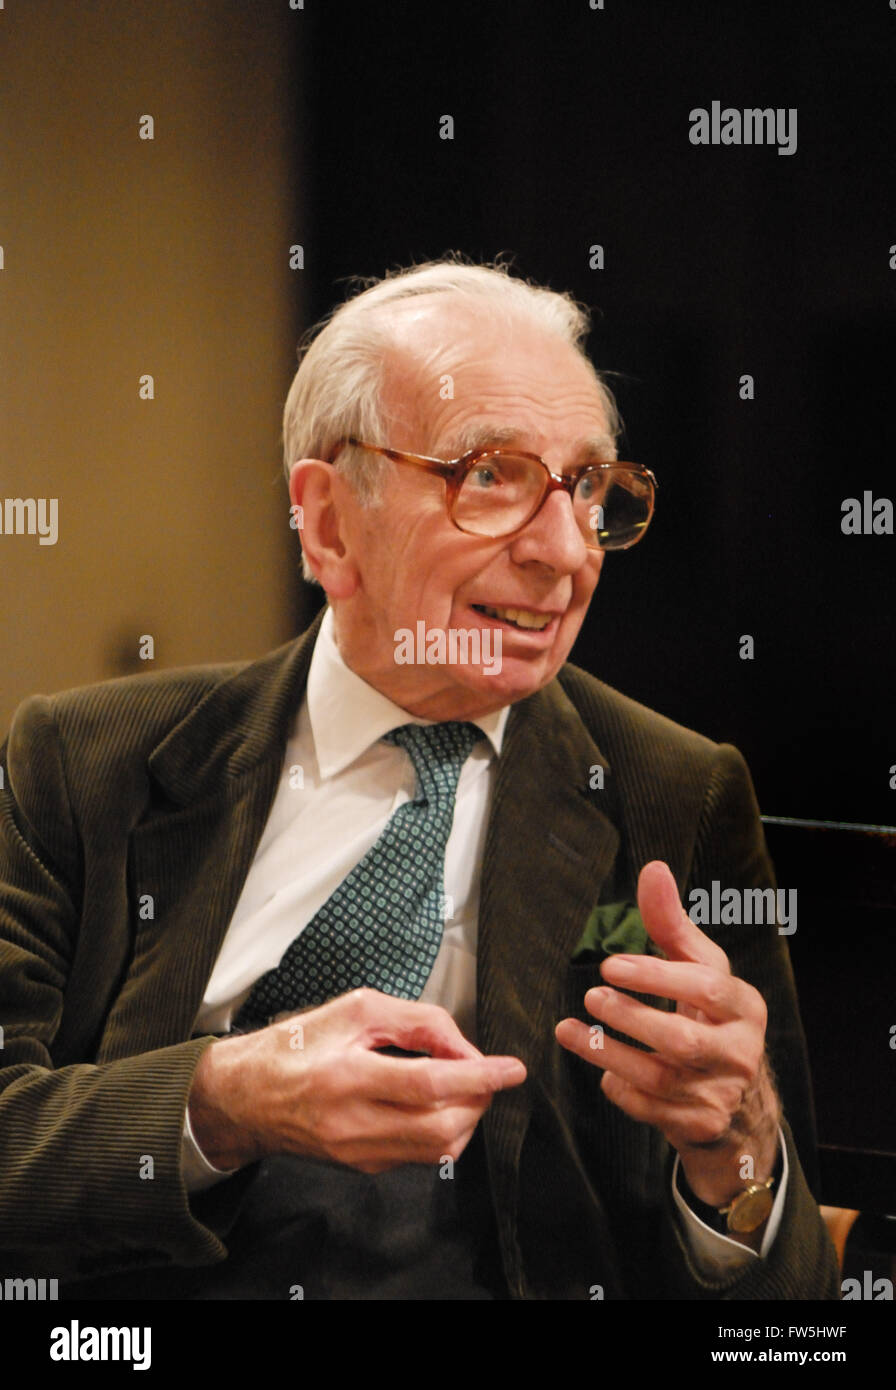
[750,1208]
[745,1213]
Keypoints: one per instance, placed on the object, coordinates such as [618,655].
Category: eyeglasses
[496,492]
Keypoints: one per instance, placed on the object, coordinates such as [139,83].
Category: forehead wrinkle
[481,435]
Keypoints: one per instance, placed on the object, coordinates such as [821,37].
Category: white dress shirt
[338,788]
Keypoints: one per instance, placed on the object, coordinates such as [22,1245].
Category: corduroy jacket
[130,812]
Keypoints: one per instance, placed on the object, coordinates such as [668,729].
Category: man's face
[521,388]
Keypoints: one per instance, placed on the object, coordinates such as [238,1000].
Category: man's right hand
[314,1084]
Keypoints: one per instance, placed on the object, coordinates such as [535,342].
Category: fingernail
[621,964]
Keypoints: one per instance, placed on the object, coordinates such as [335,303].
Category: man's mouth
[517,617]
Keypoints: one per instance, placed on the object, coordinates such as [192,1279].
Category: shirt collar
[347,715]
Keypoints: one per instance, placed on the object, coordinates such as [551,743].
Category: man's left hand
[705,1084]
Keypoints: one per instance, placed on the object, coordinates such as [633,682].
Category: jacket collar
[237,725]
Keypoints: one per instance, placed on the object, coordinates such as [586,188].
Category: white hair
[337,389]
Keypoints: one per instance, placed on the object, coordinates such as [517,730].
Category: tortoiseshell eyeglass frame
[455,471]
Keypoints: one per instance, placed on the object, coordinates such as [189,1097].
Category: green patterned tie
[382,927]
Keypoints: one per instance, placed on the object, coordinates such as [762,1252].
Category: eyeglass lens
[501,493]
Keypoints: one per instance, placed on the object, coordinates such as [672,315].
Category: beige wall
[122,257]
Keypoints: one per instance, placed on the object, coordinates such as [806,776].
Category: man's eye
[484,476]
[591,485]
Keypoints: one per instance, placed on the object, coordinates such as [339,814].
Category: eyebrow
[601,447]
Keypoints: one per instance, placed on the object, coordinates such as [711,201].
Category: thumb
[667,923]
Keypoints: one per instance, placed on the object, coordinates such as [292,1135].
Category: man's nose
[552,537]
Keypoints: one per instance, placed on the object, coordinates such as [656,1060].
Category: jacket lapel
[551,845]
[214,777]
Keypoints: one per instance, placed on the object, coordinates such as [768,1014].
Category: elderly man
[362,971]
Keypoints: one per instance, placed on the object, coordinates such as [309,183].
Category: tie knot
[438,752]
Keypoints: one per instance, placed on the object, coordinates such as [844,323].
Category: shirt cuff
[717,1254]
[197,1172]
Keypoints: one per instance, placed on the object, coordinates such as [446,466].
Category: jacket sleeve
[730,849]
[89,1155]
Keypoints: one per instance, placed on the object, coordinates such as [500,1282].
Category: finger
[648,1090]
[586,1041]
[381,1020]
[421,1082]
[667,923]
[445,1134]
[695,1125]
[684,1041]
[721,997]
[374,1135]
[593,1045]
[646,1071]
[423,1137]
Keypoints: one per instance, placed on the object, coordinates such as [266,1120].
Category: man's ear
[318,496]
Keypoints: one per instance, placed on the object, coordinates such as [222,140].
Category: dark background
[320,126]
[571,128]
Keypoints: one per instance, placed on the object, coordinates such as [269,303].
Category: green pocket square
[613,927]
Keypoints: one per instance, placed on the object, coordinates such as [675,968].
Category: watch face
[750,1209]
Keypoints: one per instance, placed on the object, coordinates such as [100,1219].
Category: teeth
[520,617]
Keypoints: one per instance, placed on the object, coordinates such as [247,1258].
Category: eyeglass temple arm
[431,465]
